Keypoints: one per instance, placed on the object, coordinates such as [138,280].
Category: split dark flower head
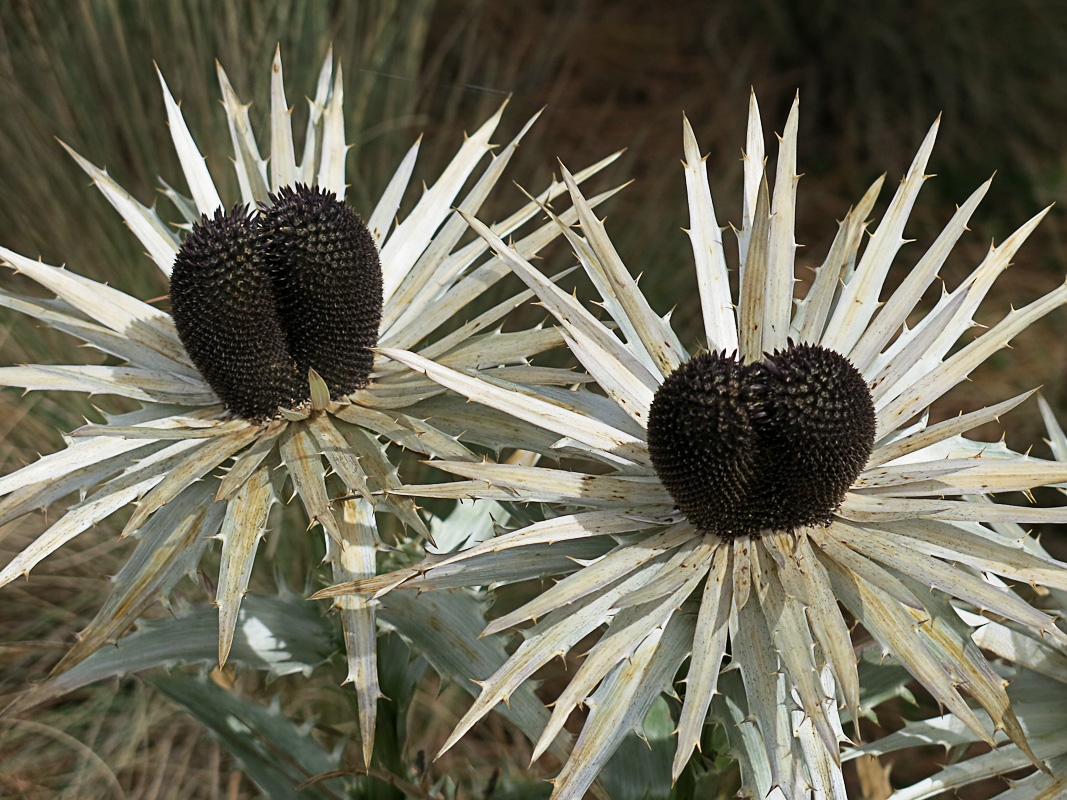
[287,281]
[259,299]
[772,444]
[740,503]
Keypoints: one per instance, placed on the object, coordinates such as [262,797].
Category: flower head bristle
[775,443]
[223,307]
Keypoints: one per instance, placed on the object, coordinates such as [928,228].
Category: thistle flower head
[771,444]
[748,496]
[267,361]
[258,300]
[327,282]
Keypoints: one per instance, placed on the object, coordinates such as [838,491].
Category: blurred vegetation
[613,74]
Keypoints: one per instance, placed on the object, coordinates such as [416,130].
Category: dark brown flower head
[327,281]
[223,307]
[259,299]
[771,444]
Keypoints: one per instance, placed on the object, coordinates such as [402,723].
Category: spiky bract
[196,473]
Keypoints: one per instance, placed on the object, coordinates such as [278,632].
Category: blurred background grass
[613,74]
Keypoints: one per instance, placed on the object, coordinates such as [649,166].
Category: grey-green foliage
[882,680]
[744,743]
[279,635]
[277,754]
[400,671]
[1037,689]
[641,770]
[444,628]
[283,635]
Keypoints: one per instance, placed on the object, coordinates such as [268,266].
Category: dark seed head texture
[773,444]
[223,307]
[323,265]
[259,299]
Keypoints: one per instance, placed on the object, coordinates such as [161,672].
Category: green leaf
[641,770]
[730,709]
[275,753]
[281,634]
[880,682]
[444,627]
[399,673]
[471,522]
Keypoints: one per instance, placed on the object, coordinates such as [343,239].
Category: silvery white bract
[914,527]
[1036,671]
[163,456]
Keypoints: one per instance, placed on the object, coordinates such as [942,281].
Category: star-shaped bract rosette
[198,468]
[760,495]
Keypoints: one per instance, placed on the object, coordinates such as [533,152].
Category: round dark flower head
[258,300]
[223,307]
[771,444]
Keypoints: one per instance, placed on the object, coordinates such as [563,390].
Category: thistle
[268,362]
[743,495]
